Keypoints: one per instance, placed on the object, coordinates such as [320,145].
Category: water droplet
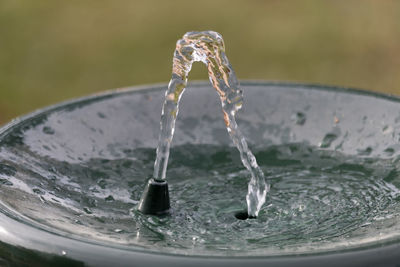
[299,118]
[48,130]
[88,201]
[365,224]
[46,147]
[92,202]
[109,198]
[389,151]
[55,200]
[101,115]
[5,182]
[364,152]
[63,253]
[7,170]
[38,191]
[100,219]
[78,222]
[327,141]
[387,129]
[102,183]
[87,210]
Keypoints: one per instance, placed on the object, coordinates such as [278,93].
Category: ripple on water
[328,140]
[299,118]
[318,200]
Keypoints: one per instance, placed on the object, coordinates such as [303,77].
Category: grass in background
[55,50]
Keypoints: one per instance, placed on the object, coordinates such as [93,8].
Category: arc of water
[208,47]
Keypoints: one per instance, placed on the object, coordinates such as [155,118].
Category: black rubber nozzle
[155,198]
[243,215]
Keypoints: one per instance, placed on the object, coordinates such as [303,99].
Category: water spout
[207,47]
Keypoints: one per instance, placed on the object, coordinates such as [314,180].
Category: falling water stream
[208,47]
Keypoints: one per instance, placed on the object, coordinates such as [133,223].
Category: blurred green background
[55,50]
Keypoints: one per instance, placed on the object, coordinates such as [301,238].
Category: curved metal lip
[374,248]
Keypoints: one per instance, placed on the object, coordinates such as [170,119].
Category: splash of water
[208,47]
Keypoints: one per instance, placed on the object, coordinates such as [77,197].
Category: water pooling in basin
[320,200]
[208,47]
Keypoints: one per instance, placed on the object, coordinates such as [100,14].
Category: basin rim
[386,249]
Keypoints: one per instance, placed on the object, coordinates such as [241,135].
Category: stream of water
[208,47]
